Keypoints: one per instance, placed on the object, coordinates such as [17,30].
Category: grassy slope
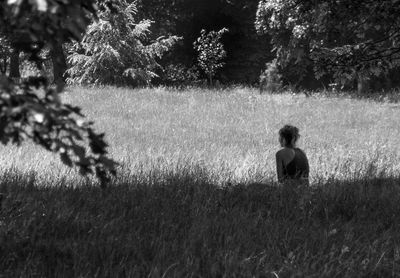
[167,215]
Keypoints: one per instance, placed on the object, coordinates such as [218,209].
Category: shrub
[270,78]
[179,74]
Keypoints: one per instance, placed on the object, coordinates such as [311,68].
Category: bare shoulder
[279,153]
[285,153]
[301,151]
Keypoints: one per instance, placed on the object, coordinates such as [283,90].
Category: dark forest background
[338,45]
[251,50]
[247,51]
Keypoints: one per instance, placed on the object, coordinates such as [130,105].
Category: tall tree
[126,56]
[59,62]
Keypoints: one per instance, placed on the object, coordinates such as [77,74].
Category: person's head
[288,136]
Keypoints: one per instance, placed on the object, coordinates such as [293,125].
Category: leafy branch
[31,109]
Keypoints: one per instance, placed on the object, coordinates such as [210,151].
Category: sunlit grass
[231,133]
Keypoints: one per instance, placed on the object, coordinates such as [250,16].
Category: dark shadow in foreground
[184,226]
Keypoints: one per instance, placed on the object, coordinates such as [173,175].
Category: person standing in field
[291,162]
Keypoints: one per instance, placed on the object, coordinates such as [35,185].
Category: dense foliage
[247,52]
[180,75]
[114,49]
[338,42]
[345,39]
[211,52]
[32,110]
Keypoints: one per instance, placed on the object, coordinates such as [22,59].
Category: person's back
[298,167]
[292,163]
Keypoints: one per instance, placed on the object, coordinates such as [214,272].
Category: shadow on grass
[184,226]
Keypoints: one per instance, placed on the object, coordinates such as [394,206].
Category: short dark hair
[290,134]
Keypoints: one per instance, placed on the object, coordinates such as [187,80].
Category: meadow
[232,134]
[196,194]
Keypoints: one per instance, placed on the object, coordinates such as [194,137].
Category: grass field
[231,134]
[195,196]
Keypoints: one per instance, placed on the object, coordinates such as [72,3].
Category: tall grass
[231,133]
[186,226]
[195,195]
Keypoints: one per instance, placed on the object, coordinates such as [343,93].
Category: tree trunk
[262,81]
[3,66]
[59,63]
[362,83]
[14,64]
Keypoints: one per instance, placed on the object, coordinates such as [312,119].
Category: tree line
[309,45]
[246,50]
